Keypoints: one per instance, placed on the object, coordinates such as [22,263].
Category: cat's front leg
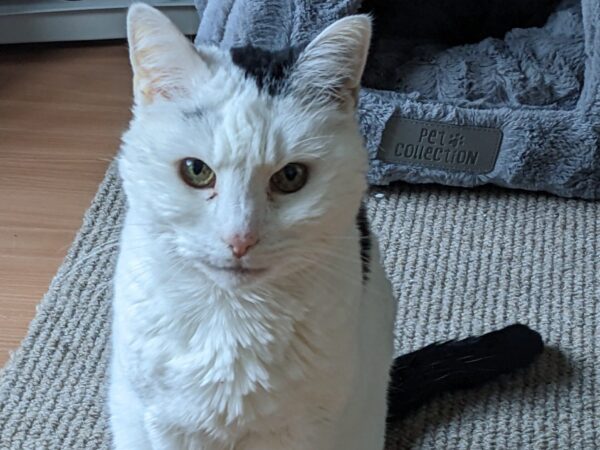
[126,417]
[306,438]
[163,437]
[265,442]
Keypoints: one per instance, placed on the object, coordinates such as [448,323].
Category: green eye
[196,173]
[290,179]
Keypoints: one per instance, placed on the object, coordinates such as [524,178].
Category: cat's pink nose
[241,244]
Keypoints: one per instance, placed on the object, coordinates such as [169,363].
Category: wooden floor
[62,110]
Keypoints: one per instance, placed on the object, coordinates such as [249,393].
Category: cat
[251,311]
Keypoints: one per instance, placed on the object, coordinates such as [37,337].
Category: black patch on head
[193,114]
[270,69]
[365,241]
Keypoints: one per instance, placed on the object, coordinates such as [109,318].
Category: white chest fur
[220,364]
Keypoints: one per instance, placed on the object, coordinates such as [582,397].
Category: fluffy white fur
[293,353]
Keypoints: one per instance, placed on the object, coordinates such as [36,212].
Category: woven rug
[461,262]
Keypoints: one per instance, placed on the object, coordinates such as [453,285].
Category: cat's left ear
[164,61]
[331,66]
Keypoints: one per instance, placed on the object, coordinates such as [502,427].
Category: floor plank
[63,108]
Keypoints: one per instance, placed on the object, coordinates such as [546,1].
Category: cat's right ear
[331,66]
[164,61]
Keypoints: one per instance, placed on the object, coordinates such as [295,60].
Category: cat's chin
[233,276]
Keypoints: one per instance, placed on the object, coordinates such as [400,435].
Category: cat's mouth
[237,270]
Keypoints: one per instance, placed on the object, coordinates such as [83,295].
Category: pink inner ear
[155,82]
[161,55]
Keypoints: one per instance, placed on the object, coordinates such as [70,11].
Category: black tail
[438,368]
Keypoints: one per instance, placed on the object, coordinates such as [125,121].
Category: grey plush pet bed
[516,106]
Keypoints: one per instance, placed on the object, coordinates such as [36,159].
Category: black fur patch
[365,241]
[270,69]
[452,22]
[468,363]
[193,114]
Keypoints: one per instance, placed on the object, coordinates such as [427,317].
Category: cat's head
[246,165]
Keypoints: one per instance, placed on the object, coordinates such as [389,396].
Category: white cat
[251,311]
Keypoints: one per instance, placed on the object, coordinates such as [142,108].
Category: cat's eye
[290,179]
[196,173]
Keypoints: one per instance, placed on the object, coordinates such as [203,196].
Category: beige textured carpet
[461,261]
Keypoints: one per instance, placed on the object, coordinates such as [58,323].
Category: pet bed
[519,108]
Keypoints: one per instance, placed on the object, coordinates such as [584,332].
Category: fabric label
[440,145]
